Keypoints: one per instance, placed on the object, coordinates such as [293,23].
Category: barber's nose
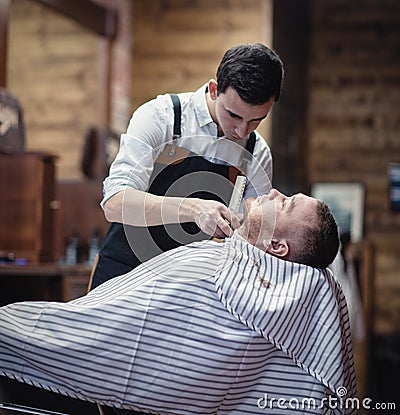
[242,129]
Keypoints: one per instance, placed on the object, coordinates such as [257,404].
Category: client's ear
[279,248]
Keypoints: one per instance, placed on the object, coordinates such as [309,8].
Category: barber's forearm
[138,208]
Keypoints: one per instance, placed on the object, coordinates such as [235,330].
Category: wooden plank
[354,161]
[165,63]
[353,124]
[179,15]
[337,140]
[58,91]
[4,24]
[93,16]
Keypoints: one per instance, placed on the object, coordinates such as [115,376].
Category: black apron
[185,175]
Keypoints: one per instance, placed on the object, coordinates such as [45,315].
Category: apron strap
[251,142]
[177,115]
[177,123]
[248,152]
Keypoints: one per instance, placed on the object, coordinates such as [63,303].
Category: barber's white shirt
[151,129]
[207,328]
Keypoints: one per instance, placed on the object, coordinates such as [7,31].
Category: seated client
[253,325]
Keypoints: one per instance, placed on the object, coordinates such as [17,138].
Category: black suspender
[177,122]
[248,152]
[251,142]
[177,115]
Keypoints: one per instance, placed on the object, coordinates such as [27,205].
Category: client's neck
[243,232]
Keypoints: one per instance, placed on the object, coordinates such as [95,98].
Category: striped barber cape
[208,328]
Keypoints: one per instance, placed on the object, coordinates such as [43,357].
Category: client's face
[276,215]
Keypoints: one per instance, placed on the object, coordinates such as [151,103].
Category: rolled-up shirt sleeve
[151,128]
[140,146]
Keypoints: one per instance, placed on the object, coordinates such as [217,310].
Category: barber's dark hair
[253,70]
[321,242]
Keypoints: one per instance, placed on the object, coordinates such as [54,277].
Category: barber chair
[19,398]
[9,408]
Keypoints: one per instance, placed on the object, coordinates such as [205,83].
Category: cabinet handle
[55,204]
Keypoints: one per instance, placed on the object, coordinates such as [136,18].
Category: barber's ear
[279,248]
[212,89]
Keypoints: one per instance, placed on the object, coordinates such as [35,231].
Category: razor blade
[237,193]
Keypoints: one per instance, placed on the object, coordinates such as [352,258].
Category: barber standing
[171,180]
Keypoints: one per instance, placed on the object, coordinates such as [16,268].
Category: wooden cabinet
[42,282]
[27,205]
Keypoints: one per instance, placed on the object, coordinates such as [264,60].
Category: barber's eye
[233,115]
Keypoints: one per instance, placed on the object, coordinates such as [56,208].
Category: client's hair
[320,242]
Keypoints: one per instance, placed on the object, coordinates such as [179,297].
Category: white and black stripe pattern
[298,308]
[193,331]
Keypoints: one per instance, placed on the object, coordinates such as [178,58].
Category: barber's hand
[216,219]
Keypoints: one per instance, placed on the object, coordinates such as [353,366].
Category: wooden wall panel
[386,285]
[58,71]
[5,7]
[177,44]
[53,73]
[61,74]
[354,123]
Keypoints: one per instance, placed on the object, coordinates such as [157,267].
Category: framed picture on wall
[346,200]
[394,186]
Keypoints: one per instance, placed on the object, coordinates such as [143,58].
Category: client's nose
[274,193]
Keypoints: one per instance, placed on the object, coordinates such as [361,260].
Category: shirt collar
[200,107]
[203,113]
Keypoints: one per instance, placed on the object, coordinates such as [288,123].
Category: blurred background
[72,72]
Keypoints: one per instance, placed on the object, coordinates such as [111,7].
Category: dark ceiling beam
[4,20]
[92,16]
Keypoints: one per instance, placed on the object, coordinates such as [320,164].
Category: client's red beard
[251,224]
